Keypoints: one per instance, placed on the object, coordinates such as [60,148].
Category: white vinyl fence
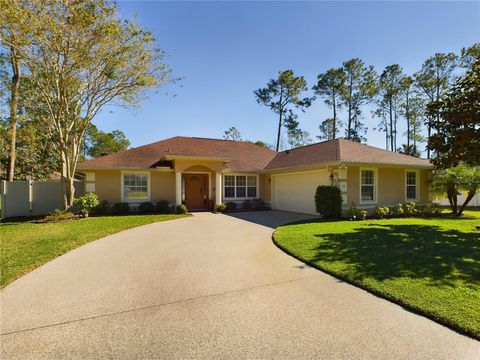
[460,199]
[26,198]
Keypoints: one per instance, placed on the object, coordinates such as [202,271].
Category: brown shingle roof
[245,156]
[241,155]
[341,150]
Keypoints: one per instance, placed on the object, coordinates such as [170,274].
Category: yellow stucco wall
[108,185]
[391,186]
[162,186]
[265,191]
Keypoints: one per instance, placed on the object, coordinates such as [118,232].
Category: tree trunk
[452,199]
[334,129]
[13,112]
[349,131]
[429,131]
[68,172]
[280,115]
[407,115]
[391,125]
[279,129]
[470,196]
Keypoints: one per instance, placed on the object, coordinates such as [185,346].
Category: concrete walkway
[208,286]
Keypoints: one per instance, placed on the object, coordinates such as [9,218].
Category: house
[200,171]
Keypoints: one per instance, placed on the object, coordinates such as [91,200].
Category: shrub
[431,210]
[231,206]
[121,208]
[221,208]
[164,207]
[103,208]
[146,207]
[409,209]
[437,209]
[247,204]
[328,201]
[258,204]
[397,211]
[59,215]
[182,209]
[381,212]
[87,203]
[357,214]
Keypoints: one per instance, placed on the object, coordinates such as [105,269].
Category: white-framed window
[411,185]
[368,185]
[240,186]
[135,187]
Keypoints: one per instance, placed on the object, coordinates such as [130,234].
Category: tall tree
[390,85]
[13,33]
[328,130]
[261,144]
[407,93]
[104,143]
[359,89]
[416,111]
[433,80]
[298,138]
[232,133]
[283,97]
[457,128]
[81,56]
[329,87]
[468,55]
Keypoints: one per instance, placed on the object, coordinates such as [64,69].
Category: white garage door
[296,192]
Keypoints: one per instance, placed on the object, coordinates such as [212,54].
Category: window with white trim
[367,186]
[411,185]
[240,186]
[135,187]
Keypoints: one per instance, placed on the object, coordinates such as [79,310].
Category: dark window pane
[229,180]
[367,177]
[252,181]
[411,192]
[252,192]
[367,192]
[411,178]
[229,192]
[241,192]
[241,180]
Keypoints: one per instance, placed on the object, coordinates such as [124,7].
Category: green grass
[431,266]
[25,245]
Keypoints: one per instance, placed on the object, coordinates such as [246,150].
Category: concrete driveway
[208,286]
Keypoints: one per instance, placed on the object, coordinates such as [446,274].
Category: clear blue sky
[226,50]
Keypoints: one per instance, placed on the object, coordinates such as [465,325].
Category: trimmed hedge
[164,207]
[146,207]
[120,208]
[328,201]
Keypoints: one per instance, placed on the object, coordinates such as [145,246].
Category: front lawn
[25,245]
[431,266]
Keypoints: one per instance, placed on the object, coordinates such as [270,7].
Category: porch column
[178,188]
[218,188]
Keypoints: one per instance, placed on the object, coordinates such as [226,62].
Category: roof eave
[194,157]
[332,163]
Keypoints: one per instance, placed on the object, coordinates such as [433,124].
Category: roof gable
[341,150]
[245,156]
[239,155]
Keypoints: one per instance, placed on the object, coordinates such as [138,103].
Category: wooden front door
[196,191]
